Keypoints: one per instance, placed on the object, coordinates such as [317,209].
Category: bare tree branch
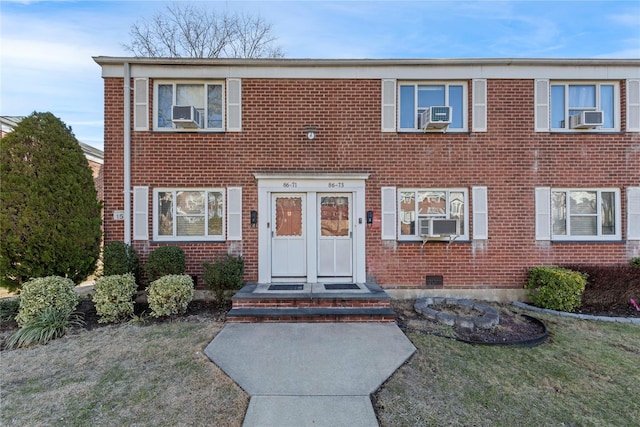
[188,30]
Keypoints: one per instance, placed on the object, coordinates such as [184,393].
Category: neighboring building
[452,174]
[95,157]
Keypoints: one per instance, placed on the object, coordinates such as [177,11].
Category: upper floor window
[415,98]
[188,214]
[414,204]
[584,106]
[585,214]
[189,105]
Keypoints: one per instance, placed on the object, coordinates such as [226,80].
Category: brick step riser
[311,319]
[320,303]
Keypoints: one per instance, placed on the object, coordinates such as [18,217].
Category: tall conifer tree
[50,216]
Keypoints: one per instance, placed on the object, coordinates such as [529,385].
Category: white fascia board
[374,69]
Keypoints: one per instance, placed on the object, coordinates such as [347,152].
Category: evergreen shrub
[50,215]
[120,258]
[556,288]
[114,297]
[165,260]
[225,273]
[170,295]
[9,308]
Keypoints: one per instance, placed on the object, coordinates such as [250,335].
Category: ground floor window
[188,214]
[591,214]
[414,204]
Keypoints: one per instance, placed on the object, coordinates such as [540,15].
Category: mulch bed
[512,326]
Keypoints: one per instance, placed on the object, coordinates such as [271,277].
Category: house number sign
[296,184]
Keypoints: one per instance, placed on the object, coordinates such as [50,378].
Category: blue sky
[46,46]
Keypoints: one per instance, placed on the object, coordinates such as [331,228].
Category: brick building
[454,174]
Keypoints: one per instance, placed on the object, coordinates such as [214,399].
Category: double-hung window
[188,214]
[415,98]
[414,204]
[585,214]
[576,99]
[205,97]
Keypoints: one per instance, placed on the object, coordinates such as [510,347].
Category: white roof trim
[421,69]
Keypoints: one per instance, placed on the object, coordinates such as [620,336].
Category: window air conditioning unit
[435,118]
[438,227]
[186,116]
[586,120]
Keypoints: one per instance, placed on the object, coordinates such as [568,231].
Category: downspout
[127,154]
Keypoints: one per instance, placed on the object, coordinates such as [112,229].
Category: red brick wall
[510,159]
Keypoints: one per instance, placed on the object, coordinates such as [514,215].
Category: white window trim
[609,237]
[156,213]
[447,83]
[416,238]
[174,129]
[616,105]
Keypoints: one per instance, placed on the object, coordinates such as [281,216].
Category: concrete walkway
[310,374]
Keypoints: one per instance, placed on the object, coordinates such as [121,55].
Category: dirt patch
[512,327]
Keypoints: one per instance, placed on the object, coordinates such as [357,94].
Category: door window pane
[334,216]
[288,216]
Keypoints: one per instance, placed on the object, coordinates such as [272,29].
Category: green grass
[588,374]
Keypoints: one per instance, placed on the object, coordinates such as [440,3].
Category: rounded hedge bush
[120,258]
[556,288]
[40,294]
[114,297]
[170,295]
[164,261]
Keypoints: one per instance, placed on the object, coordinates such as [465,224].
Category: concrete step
[311,314]
[312,303]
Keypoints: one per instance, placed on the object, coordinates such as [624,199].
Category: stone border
[489,318]
[522,305]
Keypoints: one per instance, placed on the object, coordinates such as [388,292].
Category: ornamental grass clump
[40,294]
[44,326]
[556,288]
[170,295]
[114,297]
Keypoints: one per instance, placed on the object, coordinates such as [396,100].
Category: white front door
[335,236]
[288,236]
[311,227]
